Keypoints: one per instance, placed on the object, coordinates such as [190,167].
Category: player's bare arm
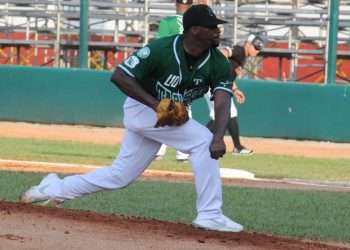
[222,102]
[238,94]
[132,88]
[226,51]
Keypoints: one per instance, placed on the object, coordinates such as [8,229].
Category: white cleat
[37,193]
[158,158]
[221,224]
[182,156]
[243,151]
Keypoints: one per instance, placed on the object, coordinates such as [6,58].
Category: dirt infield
[25,227]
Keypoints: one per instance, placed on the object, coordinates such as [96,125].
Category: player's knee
[207,136]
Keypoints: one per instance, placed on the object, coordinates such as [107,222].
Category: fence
[46,33]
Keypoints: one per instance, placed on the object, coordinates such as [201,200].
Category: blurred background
[46,33]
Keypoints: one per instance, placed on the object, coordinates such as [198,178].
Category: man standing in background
[237,57]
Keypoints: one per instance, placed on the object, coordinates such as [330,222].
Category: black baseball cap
[200,15]
[187,2]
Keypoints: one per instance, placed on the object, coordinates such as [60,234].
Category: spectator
[237,57]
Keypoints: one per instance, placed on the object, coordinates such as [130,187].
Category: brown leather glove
[170,113]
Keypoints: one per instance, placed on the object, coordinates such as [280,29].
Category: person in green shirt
[172,25]
[182,68]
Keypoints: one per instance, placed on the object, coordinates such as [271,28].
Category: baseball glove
[170,113]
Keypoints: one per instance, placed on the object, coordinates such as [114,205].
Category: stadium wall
[295,110]
[80,96]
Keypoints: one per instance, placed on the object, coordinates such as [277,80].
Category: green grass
[303,214]
[56,151]
[264,166]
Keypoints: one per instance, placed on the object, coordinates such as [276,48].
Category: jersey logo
[194,93]
[197,81]
[143,53]
[164,92]
[170,89]
[172,81]
[132,61]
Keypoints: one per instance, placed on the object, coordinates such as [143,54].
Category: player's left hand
[217,148]
[171,113]
[239,95]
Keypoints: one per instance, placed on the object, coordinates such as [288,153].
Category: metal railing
[291,22]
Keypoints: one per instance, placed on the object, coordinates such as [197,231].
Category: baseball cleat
[242,151]
[221,224]
[158,158]
[37,193]
[182,156]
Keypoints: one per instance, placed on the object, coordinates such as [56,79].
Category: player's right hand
[217,148]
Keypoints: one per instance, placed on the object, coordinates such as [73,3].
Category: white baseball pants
[233,111]
[179,155]
[139,147]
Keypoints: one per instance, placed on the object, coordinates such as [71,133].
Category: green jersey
[162,71]
[169,26]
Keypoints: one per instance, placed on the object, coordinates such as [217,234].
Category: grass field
[264,166]
[303,214]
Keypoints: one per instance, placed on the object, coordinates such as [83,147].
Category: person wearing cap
[182,68]
[172,25]
[237,57]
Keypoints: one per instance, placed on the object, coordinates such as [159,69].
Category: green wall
[71,96]
[290,110]
[81,96]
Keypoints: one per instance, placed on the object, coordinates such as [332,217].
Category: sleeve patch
[132,61]
[144,53]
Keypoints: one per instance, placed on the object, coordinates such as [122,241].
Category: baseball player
[237,57]
[159,80]
[172,25]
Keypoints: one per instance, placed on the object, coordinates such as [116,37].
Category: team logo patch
[143,53]
[132,61]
